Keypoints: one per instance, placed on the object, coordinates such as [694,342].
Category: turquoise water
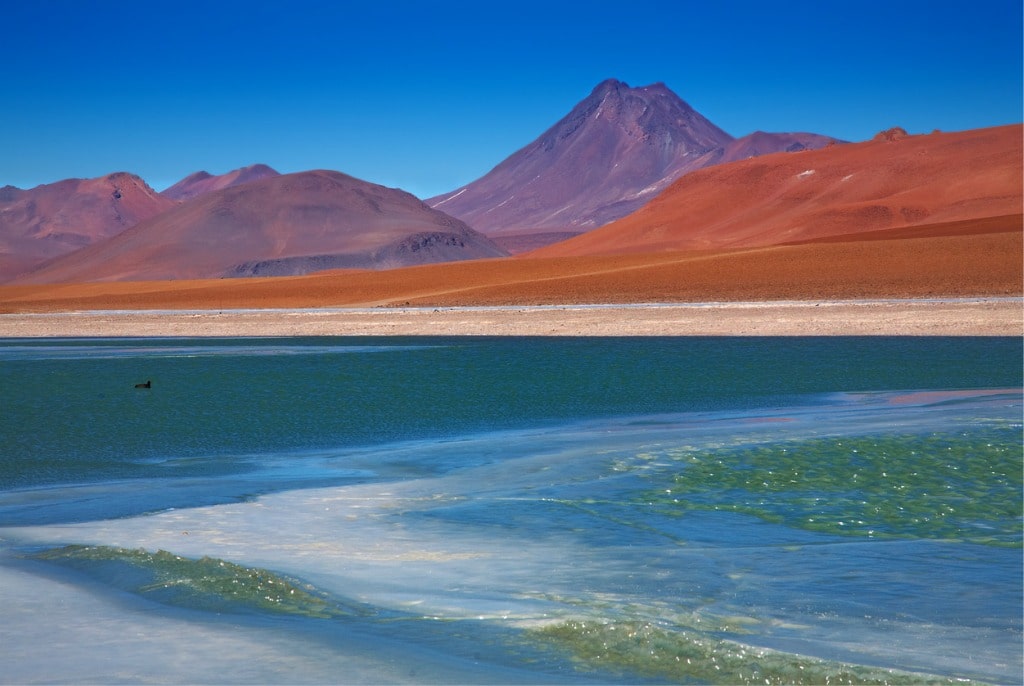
[511,510]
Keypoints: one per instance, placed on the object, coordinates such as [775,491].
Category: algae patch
[683,656]
[208,583]
[960,486]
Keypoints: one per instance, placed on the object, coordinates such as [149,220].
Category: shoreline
[978,316]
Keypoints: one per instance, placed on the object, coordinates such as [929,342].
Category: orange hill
[972,258]
[886,183]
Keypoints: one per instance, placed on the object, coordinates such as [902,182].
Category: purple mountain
[202,182]
[54,219]
[277,226]
[616,150]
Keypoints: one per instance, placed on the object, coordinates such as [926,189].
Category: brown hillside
[945,260]
[836,191]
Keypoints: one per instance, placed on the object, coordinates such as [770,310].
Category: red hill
[843,190]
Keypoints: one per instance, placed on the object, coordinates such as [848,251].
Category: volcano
[277,226]
[616,150]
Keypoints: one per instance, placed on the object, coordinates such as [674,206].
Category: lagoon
[511,509]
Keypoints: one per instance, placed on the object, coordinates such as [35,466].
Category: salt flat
[945,317]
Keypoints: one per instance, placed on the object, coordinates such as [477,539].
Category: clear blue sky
[430,95]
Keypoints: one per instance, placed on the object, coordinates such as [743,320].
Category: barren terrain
[895,181]
[955,278]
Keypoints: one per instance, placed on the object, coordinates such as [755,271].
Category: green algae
[685,656]
[959,486]
[207,583]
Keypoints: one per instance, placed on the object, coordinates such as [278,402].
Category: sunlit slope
[842,190]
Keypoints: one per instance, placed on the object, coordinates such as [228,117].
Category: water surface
[428,509]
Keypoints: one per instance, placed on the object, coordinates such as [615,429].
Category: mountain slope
[280,225]
[614,150]
[843,190]
[612,153]
[762,143]
[58,218]
[202,182]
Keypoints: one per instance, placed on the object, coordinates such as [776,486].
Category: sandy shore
[946,317]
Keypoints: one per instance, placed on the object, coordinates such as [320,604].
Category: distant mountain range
[631,169]
[276,226]
[201,182]
[611,154]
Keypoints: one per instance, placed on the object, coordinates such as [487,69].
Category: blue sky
[428,96]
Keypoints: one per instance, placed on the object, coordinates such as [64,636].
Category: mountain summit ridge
[202,182]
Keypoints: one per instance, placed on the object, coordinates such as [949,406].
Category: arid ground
[959,278]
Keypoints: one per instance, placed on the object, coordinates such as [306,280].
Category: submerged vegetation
[964,486]
[684,656]
[207,583]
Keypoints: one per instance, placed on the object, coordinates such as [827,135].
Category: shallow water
[511,510]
